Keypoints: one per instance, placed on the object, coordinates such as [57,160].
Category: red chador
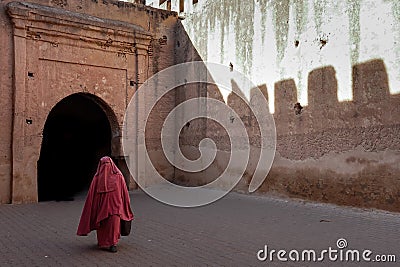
[106,204]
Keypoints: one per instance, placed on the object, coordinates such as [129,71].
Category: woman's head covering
[106,175]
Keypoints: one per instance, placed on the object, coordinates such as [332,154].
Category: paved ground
[229,232]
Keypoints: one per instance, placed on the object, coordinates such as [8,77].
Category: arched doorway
[77,133]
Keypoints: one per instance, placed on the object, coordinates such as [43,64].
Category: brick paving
[228,232]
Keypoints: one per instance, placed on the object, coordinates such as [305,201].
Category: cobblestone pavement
[228,232]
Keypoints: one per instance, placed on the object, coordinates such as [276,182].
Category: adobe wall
[338,61]
[52,49]
[6,85]
[342,147]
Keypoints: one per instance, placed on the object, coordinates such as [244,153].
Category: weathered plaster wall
[275,40]
[6,85]
[105,49]
[340,61]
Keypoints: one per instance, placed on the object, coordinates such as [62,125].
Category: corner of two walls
[158,22]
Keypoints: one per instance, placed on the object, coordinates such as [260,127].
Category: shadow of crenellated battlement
[328,151]
[331,151]
[326,125]
[371,99]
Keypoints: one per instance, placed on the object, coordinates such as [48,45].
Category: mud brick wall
[340,152]
[333,89]
[118,45]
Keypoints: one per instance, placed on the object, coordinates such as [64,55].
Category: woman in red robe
[106,204]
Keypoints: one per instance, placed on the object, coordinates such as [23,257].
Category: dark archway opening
[76,135]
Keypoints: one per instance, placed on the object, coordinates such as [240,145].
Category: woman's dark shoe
[113,249]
